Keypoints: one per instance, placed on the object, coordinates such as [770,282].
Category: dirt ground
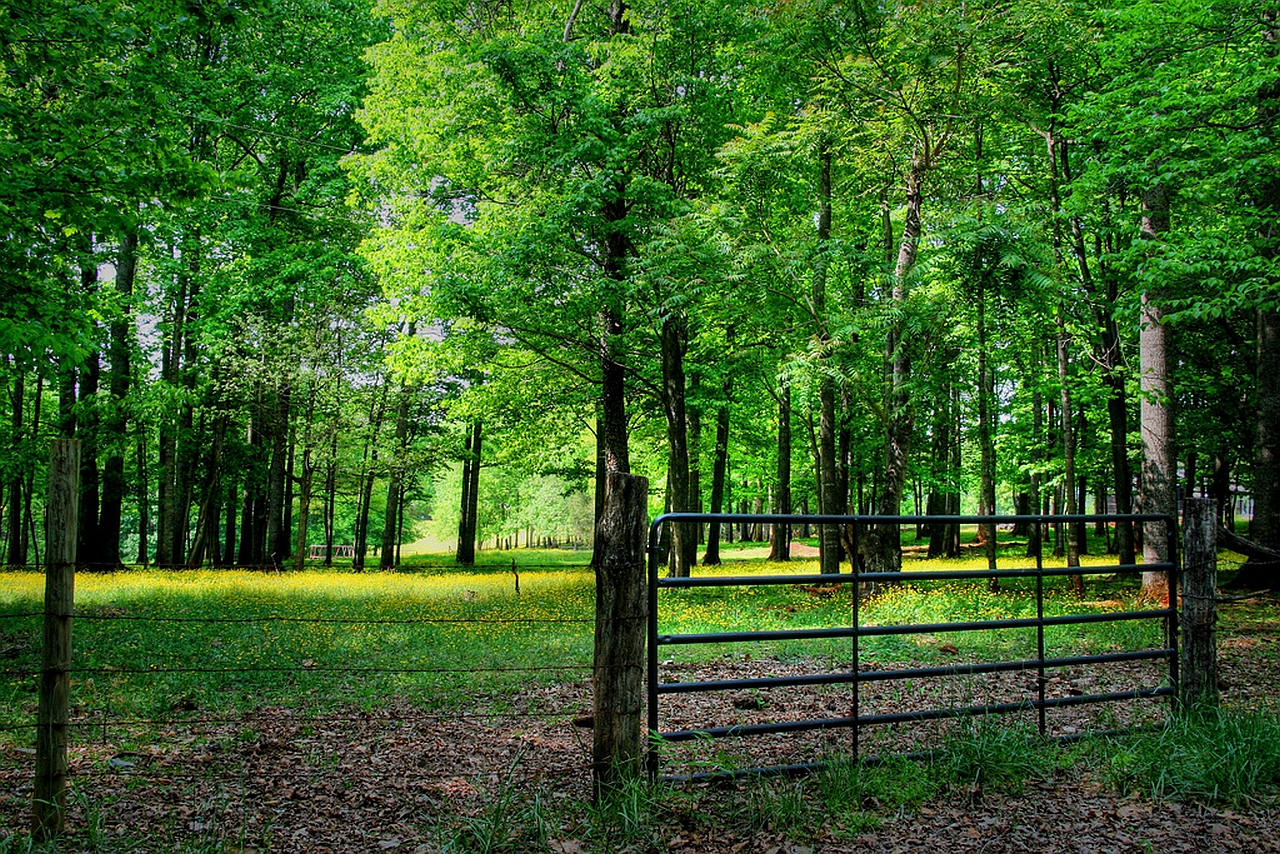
[390,779]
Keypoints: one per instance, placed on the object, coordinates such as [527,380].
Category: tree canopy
[311,271]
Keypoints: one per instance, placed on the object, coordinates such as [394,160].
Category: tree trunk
[719,472]
[395,483]
[277,536]
[143,496]
[367,477]
[115,426]
[684,537]
[986,442]
[16,554]
[780,537]
[883,543]
[1068,452]
[828,498]
[1157,421]
[619,647]
[466,552]
[205,539]
[1266,447]
[1035,542]
[88,430]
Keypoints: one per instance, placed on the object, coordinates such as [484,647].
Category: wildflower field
[150,642]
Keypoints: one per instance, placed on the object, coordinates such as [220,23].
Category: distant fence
[860,674]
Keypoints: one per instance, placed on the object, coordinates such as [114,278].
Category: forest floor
[512,773]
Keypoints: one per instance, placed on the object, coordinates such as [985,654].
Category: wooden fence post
[621,621]
[1199,677]
[49,801]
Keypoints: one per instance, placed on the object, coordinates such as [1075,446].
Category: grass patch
[988,754]
[1218,757]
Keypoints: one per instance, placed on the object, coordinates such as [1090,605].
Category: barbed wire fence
[191,761]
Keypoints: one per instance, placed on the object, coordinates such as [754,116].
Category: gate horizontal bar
[911,717]
[906,577]
[909,629]
[847,677]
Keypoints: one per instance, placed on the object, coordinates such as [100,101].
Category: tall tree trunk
[88,431]
[780,538]
[1035,542]
[170,362]
[1108,357]
[205,540]
[30,536]
[1157,421]
[143,495]
[1265,529]
[828,498]
[277,536]
[330,500]
[115,422]
[1068,451]
[17,555]
[230,494]
[719,475]
[883,543]
[684,536]
[466,552]
[694,408]
[395,482]
[986,442]
[306,483]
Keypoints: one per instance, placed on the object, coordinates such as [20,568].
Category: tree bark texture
[780,537]
[1158,483]
[1198,686]
[621,620]
[684,536]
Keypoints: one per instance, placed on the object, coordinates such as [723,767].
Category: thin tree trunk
[780,539]
[116,423]
[143,496]
[828,499]
[1157,421]
[1265,529]
[684,537]
[466,552]
[719,476]
[1068,451]
[17,555]
[884,546]
[277,536]
[986,443]
[395,482]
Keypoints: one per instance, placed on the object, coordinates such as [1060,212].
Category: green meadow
[150,644]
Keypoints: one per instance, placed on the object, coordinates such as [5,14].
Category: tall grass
[1217,756]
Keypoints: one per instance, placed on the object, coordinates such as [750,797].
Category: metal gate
[854,631]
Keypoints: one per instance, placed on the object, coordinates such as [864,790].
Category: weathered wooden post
[621,620]
[1199,677]
[50,797]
